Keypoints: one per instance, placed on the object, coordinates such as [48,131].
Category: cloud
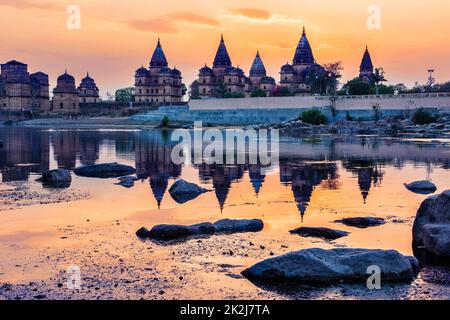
[155,25]
[170,23]
[28,4]
[194,19]
[251,13]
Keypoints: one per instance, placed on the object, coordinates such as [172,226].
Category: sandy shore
[115,264]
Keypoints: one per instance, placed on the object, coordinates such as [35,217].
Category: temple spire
[158,58]
[303,53]
[222,58]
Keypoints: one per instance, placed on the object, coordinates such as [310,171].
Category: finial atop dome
[304,31]
[221,38]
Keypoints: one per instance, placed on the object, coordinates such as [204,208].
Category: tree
[357,87]
[400,88]
[183,89]
[195,91]
[333,72]
[125,95]
[220,90]
[314,117]
[282,92]
[382,89]
[258,93]
[378,77]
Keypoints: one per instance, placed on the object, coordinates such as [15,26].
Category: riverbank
[388,127]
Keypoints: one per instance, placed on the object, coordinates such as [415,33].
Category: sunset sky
[117,37]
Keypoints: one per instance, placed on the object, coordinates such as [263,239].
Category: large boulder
[431,229]
[183,191]
[320,266]
[323,233]
[58,178]
[422,187]
[362,222]
[104,170]
[238,226]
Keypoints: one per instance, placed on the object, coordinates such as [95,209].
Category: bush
[259,93]
[422,116]
[235,95]
[165,122]
[314,117]
[283,92]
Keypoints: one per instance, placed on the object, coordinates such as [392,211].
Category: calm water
[316,182]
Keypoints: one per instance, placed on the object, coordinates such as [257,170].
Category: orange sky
[116,37]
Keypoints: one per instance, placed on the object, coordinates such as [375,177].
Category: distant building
[66,98]
[259,79]
[366,68]
[40,92]
[21,91]
[223,78]
[88,90]
[299,76]
[158,84]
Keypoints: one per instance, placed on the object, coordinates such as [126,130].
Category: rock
[324,233]
[143,233]
[176,232]
[320,266]
[127,181]
[167,232]
[58,178]
[422,187]
[238,226]
[431,229]
[362,222]
[183,191]
[105,170]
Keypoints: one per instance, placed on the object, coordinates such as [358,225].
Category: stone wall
[403,102]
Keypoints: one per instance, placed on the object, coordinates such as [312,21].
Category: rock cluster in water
[386,127]
[104,170]
[324,233]
[362,222]
[166,232]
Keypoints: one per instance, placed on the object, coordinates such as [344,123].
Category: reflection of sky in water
[315,182]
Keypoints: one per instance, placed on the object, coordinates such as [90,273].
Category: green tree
[233,95]
[195,91]
[259,93]
[357,87]
[282,92]
[378,77]
[314,117]
[220,90]
[333,72]
[183,89]
[422,116]
[125,95]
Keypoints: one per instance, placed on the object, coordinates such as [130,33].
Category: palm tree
[378,77]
